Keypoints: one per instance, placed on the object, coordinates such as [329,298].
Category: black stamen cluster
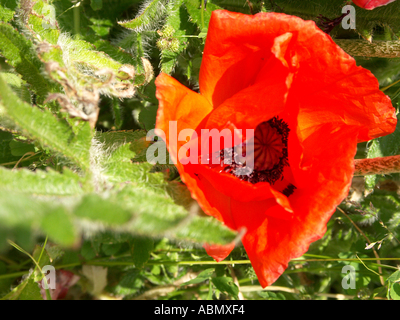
[231,163]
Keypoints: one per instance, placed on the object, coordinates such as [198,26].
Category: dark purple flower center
[269,152]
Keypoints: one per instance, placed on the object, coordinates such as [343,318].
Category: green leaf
[386,146]
[226,284]
[6,14]
[130,283]
[119,167]
[194,9]
[110,249]
[114,139]
[41,182]
[18,85]
[87,251]
[43,126]
[147,117]
[59,226]
[21,212]
[96,4]
[394,277]
[395,291]
[41,20]
[174,33]
[27,290]
[172,221]
[141,250]
[19,148]
[269,295]
[95,208]
[20,54]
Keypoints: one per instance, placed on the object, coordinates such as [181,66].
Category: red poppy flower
[372,4]
[308,104]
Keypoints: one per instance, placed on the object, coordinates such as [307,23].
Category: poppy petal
[219,252]
[180,104]
[188,109]
[331,88]
[274,77]
[372,4]
[237,47]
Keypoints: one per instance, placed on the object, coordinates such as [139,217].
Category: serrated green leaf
[20,54]
[6,14]
[120,168]
[178,21]
[40,182]
[43,126]
[135,149]
[114,139]
[172,221]
[115,52]
[40,19]
[18,85]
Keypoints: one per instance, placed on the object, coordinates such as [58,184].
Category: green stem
[191,263]
[202,14]
[77,19]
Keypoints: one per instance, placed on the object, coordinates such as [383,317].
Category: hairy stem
[364,48]
[383,165]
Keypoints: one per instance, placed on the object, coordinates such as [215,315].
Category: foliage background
[79,194]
